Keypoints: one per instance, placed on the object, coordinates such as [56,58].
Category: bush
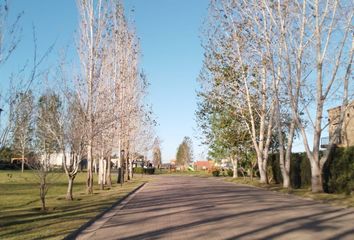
[216,172]
[6,165]
[230,172]
[149,170]
[140,170]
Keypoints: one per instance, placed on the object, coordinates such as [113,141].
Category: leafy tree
[6,154]
[224,129]
[184,154]
[156,151]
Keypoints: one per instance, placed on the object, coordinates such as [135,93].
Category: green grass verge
[332,198]
[20,215]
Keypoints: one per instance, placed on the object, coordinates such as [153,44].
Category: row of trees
[95,114]
[111,88]
[270,70]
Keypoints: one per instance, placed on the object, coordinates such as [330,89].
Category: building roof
[202,163]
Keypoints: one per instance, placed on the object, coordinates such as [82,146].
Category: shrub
[149,170]
[216,172]
[138,170]
[230,172]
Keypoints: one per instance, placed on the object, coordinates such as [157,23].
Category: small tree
[184,154]
[75,137]
[156,151]
[47,128]
[23,124]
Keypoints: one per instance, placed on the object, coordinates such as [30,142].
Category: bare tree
[47,127]
[93,28]
[318,57]
[23,124]
[294,53]
[9,32]
[133,117]
[9,40]
[111,88]
[75,139]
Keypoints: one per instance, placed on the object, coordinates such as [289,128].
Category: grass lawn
[334,199]
[20,215]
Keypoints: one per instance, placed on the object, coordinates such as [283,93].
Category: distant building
[346,138]
[203,165]
[56,159]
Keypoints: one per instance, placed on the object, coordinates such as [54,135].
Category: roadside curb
[89,228]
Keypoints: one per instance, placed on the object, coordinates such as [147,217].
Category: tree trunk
[235,174]
[263,174]
[95,165]
[130,169]
[89,178]
[69,192]
[23,161]
[235,166]
[262,171]
[101,173]
[42,192]
[316,178]
[283,168]
[286,181]
[127,168]
[288,155]
[108,176]
[104,171]
[100,164]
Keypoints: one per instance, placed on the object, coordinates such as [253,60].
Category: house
[56,159]
[203,165]
[346,138]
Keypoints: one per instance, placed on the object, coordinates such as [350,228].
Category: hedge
[140,170]
[338,172]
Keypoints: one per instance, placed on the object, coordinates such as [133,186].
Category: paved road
[195,208]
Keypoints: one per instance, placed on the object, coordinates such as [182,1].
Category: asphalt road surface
[200,208]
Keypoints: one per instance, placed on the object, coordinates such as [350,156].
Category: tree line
[271,68]
[94,111]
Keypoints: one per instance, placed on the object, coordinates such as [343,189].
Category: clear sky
[172,56]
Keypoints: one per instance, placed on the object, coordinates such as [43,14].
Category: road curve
[176,207]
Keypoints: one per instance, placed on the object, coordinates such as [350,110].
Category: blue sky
[172,56]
